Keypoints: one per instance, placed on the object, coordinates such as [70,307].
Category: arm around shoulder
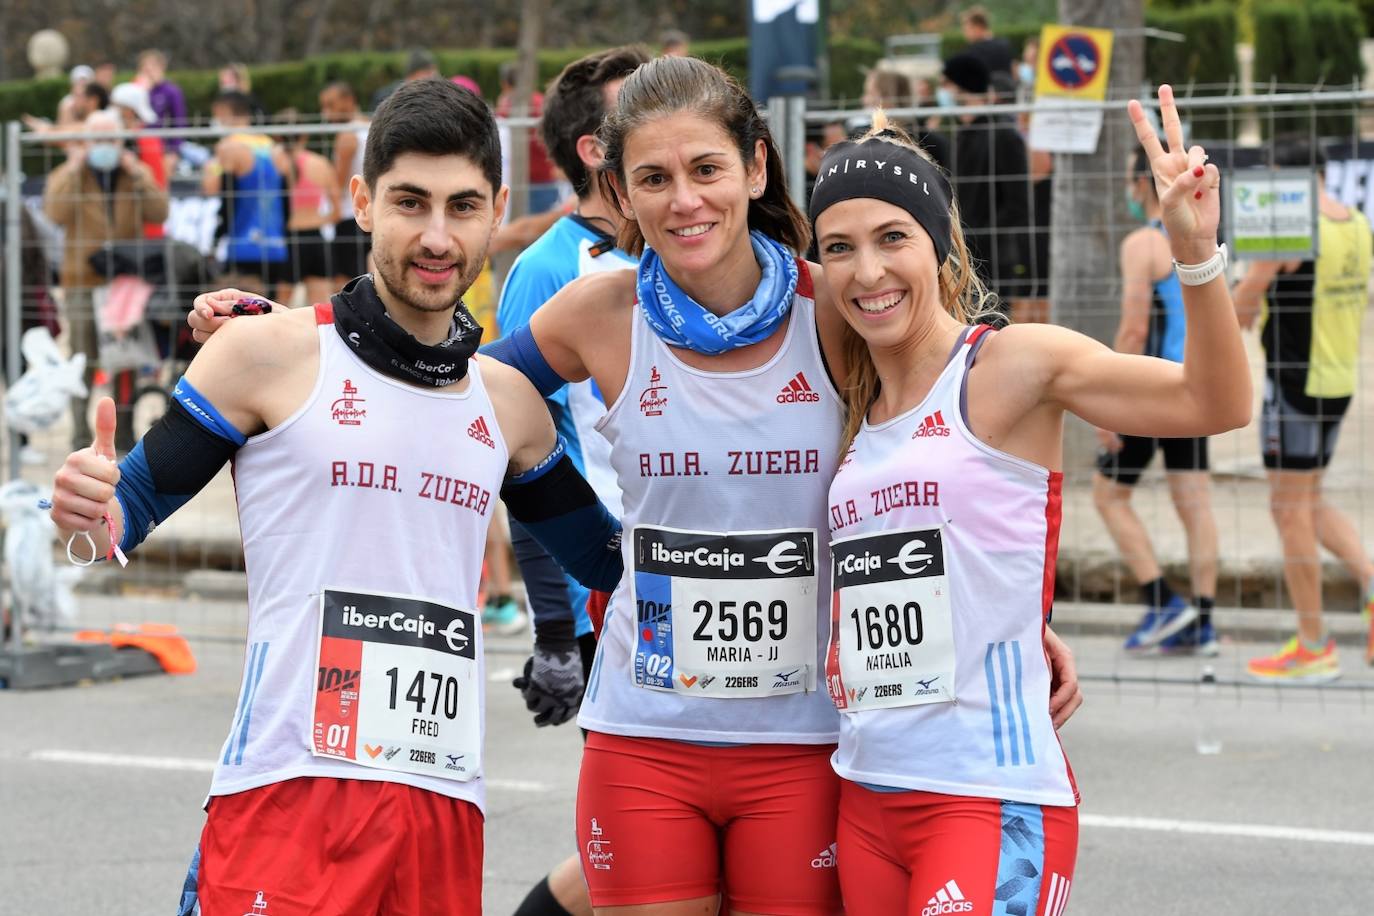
[249,360]
[590,312]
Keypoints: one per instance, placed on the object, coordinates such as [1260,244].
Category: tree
[1088,218]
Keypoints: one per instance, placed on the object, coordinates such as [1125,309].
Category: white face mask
[945,98]
[103,157]
[1026,73]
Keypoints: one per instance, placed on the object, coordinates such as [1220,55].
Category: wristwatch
[1208,270]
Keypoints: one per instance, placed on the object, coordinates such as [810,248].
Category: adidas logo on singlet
[798,391]
[479,431]
[933,425]
[948,899]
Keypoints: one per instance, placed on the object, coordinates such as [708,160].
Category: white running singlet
[723,476]
[371,488]
[944,551]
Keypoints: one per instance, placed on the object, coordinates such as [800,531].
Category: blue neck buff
[681,322]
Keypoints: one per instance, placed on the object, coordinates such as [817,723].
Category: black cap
[968,72]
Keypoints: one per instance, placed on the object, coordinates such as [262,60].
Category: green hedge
[297,84]
[1207,55]
[1312,44]
[1337,29]
[1283,45]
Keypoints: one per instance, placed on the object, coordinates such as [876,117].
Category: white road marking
[1210,828]
[190,765]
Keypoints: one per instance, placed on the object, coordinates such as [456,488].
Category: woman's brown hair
[961,292]
[669,85]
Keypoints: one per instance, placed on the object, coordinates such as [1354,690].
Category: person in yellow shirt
[1311,339]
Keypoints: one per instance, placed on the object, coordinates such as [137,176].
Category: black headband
[888,172]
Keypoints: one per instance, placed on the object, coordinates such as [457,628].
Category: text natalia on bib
[891,629]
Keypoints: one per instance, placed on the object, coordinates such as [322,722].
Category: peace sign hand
[1187,185]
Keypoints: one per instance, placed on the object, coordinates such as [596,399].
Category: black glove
[552,684]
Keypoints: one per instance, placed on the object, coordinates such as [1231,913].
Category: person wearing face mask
[101,194]
[1152,323]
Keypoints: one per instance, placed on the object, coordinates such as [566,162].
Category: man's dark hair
[509,72]
[343,87]
[433,118]
[239,103]
[976,16]
[575,106]
[97,94]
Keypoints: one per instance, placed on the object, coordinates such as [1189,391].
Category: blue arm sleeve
[519,350]
[560,510]
[143,506]
[181,454]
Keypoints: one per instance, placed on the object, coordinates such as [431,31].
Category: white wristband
[1207,271]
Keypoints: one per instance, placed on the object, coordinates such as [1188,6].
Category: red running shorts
[925,854]
[340,847]
[661,820]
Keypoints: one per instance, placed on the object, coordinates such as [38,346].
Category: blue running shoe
[1160,623]
[1197,638]
[503,616]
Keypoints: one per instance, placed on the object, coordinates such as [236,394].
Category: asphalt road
[101,785]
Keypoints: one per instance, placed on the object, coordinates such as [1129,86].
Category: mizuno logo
[948,899]
[925,685]
[798,391]
[478,430]
[933,425]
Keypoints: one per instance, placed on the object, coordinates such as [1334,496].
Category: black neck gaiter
[363,323]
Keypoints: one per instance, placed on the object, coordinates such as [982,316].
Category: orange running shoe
[1297,664]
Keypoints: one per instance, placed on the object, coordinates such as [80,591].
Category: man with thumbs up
[368,442]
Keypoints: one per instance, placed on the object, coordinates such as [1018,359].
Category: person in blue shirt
[1152,323]
[580,243]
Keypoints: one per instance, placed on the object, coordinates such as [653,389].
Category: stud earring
[754,192]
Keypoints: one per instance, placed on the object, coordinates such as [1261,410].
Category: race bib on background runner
[397,685]
[891,624]
[725,614]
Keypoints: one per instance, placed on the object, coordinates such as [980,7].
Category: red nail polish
[1197,196]
[1197,172]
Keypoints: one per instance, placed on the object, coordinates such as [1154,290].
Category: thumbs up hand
[85,483]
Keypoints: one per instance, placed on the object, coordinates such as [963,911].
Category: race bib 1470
[398,686]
